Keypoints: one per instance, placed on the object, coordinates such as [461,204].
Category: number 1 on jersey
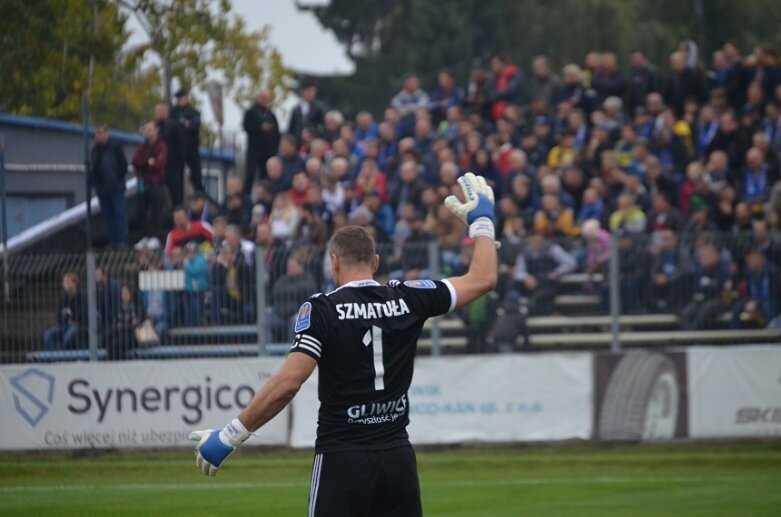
[374,337]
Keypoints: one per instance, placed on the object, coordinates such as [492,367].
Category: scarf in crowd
[756,184]
[758,285]
[706,136]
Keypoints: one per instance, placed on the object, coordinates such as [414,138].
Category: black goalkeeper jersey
[363,336]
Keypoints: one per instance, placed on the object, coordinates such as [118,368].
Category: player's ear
[376,264]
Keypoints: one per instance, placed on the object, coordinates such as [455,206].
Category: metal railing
[241,300]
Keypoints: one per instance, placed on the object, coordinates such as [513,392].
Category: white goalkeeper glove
[478,210]
[214,447]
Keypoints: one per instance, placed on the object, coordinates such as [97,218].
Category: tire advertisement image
[641,396]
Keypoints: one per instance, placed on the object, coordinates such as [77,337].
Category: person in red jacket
[185,231]
[505,87]
[149,161]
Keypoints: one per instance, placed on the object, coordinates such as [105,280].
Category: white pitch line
[173,487]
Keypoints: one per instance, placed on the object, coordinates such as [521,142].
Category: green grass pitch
[735,478]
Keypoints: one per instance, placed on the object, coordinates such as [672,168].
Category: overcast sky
[305,46]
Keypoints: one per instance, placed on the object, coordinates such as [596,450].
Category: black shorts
[365,483]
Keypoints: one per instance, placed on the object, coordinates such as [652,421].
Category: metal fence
[241,300]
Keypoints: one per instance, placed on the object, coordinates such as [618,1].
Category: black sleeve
[195,123]
[179,133]
[311,328]
[294,123]
[276,133]
[428,298]
[121,161]
[248,125]
[93,165]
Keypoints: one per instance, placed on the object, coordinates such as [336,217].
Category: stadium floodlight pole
[615,295]
[433,266]
[92,305]
[260,298]
[4,218]
[88,176]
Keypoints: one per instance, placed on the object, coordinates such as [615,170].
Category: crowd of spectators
[680,162]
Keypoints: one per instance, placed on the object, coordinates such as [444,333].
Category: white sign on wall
[734,391]
[499,398]
[128,404]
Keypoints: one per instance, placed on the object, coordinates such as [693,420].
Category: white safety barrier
[498,398]
[734,392]
[128,404]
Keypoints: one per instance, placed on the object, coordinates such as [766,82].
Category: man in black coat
[172,134]
[643,79]
[308,114]
[684,83]
[262,129]
[732,139]
[108,166]
[608,81]
[189,119]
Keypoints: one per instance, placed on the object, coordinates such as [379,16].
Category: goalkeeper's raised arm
[477,211]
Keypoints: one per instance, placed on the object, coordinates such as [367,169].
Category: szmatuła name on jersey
[371,311]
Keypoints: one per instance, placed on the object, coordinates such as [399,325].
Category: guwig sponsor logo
[33,392]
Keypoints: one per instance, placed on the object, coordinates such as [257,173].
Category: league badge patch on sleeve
[421,284]
[304,317]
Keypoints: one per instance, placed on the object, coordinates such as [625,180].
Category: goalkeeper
[363,337]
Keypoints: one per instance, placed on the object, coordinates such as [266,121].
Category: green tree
[193,38]
[55,50]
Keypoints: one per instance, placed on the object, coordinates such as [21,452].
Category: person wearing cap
[189,119]
[541,128]
[236,212]
[563,154]
[199,208]
[258,215]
